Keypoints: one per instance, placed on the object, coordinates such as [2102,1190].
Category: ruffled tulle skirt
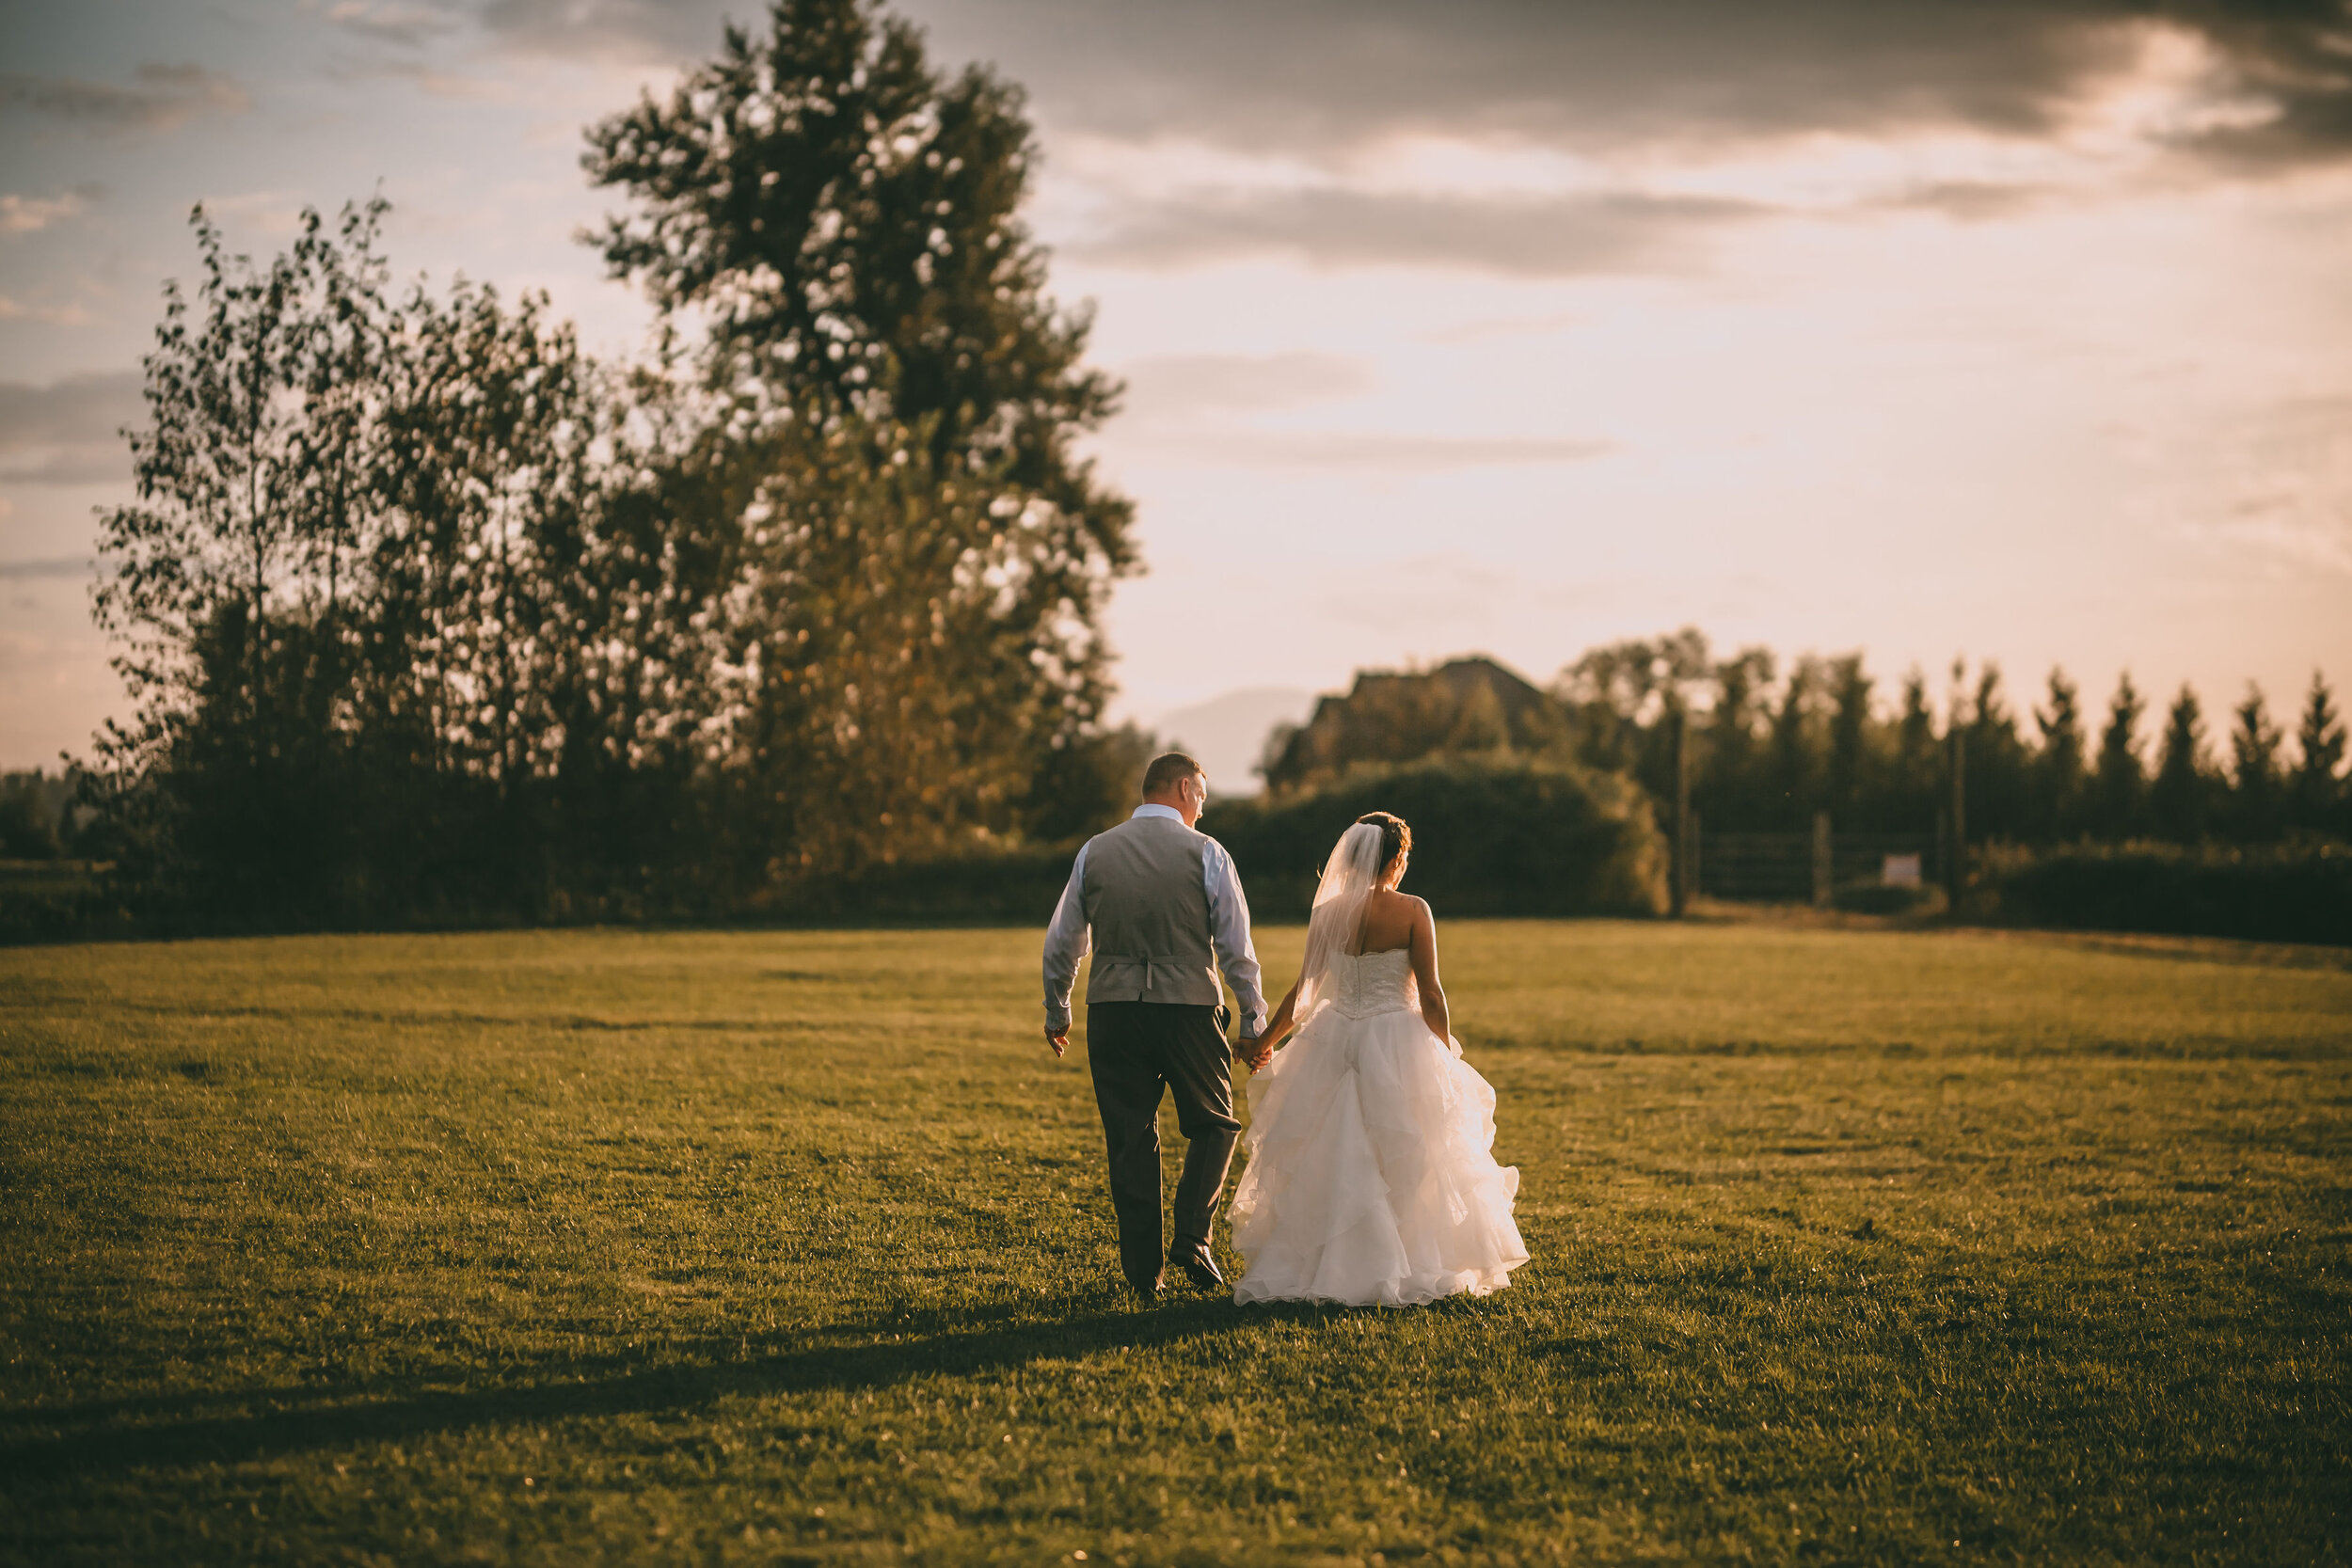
[1370,1176]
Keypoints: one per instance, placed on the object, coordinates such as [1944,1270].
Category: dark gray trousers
[1135,1050]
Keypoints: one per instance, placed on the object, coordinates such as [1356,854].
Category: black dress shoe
[1147,1290]
[1197,1265]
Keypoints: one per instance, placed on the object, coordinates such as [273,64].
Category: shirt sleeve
[1228,932]
[1066,943]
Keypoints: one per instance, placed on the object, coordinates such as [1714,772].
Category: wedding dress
[1370,1176]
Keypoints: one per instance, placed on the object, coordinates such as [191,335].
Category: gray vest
[1150,915]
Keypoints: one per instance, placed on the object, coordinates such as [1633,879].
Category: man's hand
[1250,1053]
[1057,1039]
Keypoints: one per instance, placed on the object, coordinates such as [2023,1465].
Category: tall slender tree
[1847,778]
[2255,787]
[1918,766]
[2119,784]
[2059,760]
[1997,763]
[1792,771]
[1728,787]
[2317,794]
[2181,796]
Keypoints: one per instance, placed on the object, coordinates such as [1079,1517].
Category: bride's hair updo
[1395,837]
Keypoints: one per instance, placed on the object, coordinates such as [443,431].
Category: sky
[1981,330]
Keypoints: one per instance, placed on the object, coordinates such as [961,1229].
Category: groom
[1160,903]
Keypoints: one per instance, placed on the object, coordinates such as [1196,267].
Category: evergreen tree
[1996,763]
[1846,775]
[2255,794]
[2316,793]
[2118,786]
[1729,790]
[2180,798]
[1918,764]
[1793,764]
[2059,762]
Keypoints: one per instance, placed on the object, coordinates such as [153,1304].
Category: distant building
[1465,707]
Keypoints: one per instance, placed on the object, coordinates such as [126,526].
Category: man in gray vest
[1163,909]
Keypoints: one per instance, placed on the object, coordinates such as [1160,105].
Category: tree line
[426,612]
[1773,742]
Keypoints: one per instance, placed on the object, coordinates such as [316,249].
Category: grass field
[552,1247]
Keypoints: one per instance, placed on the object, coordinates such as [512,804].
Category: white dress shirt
[1068,938]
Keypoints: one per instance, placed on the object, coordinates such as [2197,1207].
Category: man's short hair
[1167,772]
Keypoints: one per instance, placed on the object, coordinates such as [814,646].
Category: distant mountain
[1227,733]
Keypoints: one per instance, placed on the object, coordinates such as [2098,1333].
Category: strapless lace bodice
[1363,984]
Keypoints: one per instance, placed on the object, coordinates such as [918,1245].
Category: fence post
[1684,871]
[1698,842]
[1825,864]
[1956,861]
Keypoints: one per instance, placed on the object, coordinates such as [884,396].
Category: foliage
[1491,835]
[2181,796]
[427,616]
[2263,892]
[845,222]
[616,1245]
[2118,783]
[34,821]
[1775,741]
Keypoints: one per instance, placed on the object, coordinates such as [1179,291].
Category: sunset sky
[2019,332]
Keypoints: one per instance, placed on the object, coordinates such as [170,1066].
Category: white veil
[1348,877]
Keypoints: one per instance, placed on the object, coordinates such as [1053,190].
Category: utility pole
[1824,861]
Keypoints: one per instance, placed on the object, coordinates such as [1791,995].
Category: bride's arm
[1276,1027]
[1424,951]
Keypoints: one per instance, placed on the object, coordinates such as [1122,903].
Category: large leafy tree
[844,218]
[228,582]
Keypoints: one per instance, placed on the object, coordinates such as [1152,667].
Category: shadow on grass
[166,1432]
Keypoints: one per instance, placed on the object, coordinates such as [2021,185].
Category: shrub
[1491,836]
[2278,893]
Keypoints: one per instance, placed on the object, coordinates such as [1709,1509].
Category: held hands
[1057,1039]
[1254,1053]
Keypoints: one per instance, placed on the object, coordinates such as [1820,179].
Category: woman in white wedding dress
[1371,1176]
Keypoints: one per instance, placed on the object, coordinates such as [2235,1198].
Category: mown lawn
[553,1248]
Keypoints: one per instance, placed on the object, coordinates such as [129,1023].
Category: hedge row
[2281,893]
[1491,837]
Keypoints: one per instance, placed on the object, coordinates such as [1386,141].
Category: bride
[1371,1178]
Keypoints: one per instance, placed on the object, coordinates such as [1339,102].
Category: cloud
[13,309]
[1527,236]
[161,98]
[30,214]
[638,29]
[1177,387]
[53,567]
[410,26]
[1333,77]
[1369,451]
[69,431]
[1967,201]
